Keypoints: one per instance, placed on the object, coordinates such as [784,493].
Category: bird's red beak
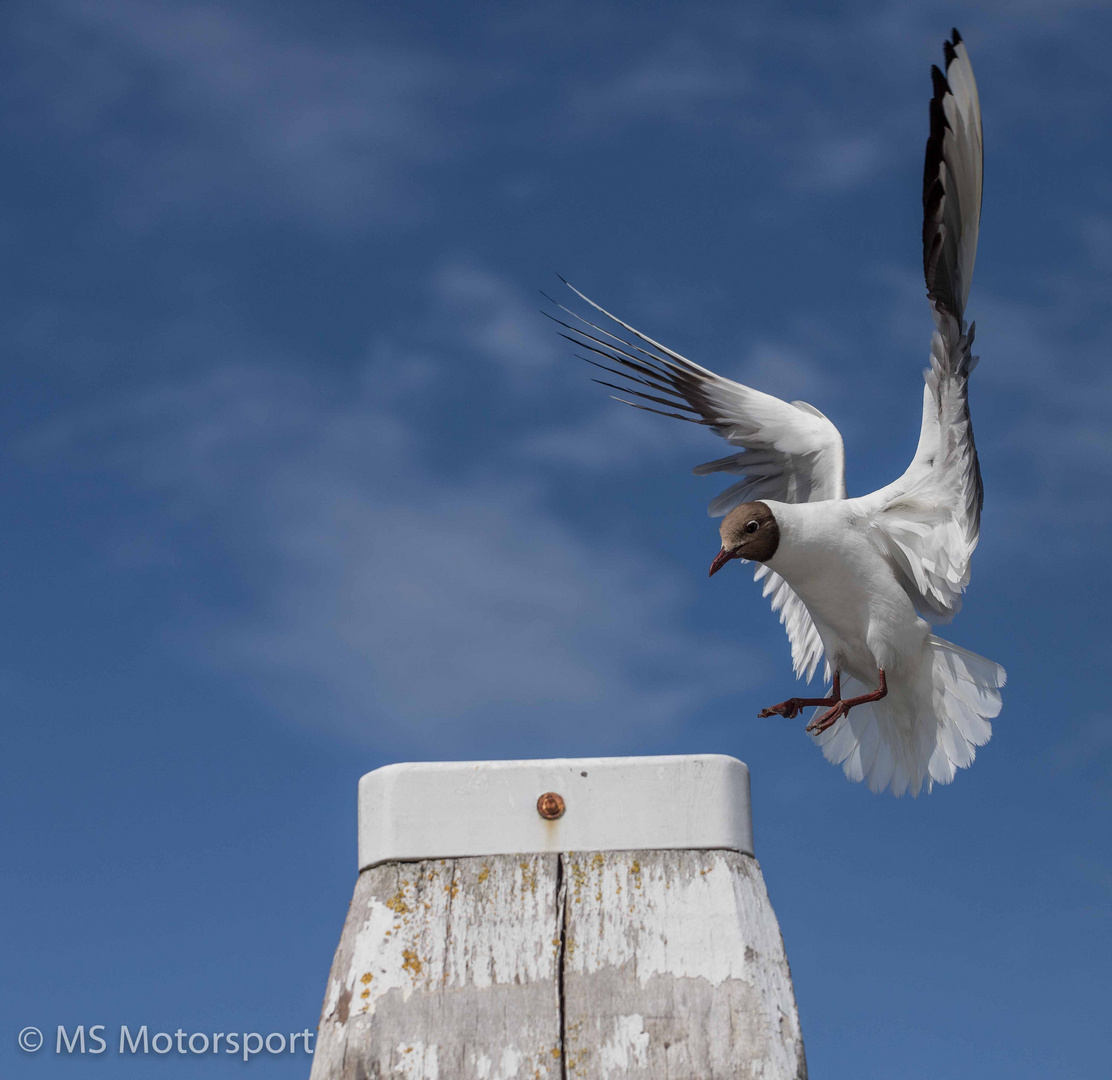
[720,561]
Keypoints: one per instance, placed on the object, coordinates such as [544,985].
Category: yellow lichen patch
[397,903]
[635,870]
[410,962]
[366,994]
[579,879]
[576,1061]
[484,873]
[451,889]
[366,978]
[598,861]
[528,877]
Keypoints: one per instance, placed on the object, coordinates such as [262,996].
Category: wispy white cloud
[753,77]
[840,163]
[484,311]
[786,371]
[384,602]
[610,438]
[205,108]
[678,82]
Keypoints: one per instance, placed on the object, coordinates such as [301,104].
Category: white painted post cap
[454,809]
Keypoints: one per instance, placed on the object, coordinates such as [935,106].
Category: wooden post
[590,918]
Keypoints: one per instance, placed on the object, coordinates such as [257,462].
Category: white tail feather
[927,727]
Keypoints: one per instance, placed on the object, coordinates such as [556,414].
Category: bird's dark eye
[752,527]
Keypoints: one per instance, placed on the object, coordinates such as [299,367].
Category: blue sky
[298,482]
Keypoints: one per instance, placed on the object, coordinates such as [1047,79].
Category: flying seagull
[859,580]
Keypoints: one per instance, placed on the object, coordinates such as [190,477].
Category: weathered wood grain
[674,967]
[664,964]
[446,970]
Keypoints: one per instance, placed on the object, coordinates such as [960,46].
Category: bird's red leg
[832,716]
[790,708]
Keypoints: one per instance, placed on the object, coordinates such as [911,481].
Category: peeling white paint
[401,946]
[648,929]
[627,1048]
[379,954]
[505,949]
[508,1065]
[672,961]
[716,946]
[331,998]
[415,1061]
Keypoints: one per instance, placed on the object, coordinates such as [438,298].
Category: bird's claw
[789,709]
[828,718]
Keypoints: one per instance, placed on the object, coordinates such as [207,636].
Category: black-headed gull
[859,578]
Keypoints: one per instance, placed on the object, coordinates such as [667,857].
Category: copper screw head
[551,806]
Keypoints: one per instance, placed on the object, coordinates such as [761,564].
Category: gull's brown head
[748,531]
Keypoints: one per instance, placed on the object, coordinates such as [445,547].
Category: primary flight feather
[858,579]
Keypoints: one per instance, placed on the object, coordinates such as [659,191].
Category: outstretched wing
[927,523]
[790,451]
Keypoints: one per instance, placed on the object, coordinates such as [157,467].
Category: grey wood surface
[664,964]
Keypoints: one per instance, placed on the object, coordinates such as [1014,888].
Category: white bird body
[865,619]
[940,697]
[860,580]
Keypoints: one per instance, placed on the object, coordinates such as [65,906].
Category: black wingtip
[647,397]
[949,47]
[939,85]
[940,240]
[674,416]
